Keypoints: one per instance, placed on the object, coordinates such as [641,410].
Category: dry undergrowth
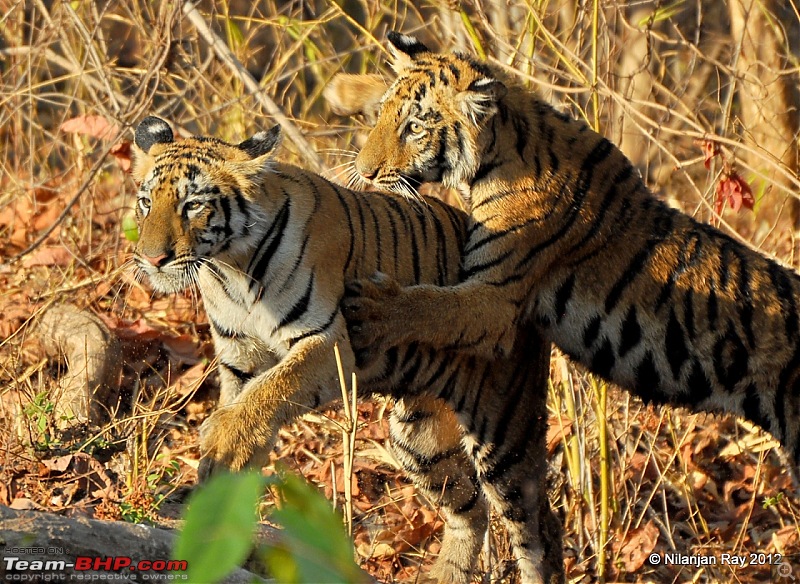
[669,87]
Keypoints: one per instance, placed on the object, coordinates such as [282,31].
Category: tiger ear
[261,149]
[479,100]
[263,143]
[150,131]
[404,49]
[349,94]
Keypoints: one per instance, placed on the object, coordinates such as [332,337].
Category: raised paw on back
[369,306]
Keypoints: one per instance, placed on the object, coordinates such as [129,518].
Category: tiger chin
[566,237]
[269,246]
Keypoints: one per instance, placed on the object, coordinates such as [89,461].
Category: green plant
[221,519]
[39,412]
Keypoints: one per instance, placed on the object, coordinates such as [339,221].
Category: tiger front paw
[228,441]
[369,307]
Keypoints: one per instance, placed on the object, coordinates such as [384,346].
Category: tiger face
[431,119]
[202,208]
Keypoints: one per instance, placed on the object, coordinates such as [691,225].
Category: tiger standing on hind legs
[269,246]
[566,236]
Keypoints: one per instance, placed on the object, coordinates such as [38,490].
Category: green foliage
[314,547]
[773,500]
[221,518]
[39,412]
[662,13]
[130,229]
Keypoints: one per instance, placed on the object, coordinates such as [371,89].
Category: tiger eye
[416,128]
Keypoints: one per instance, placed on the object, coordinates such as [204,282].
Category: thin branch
[225,55]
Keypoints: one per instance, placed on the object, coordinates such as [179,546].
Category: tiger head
[195,200]
[430,119]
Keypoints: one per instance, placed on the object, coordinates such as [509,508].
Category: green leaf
[314,546]
[130,229]
[663,13]
[220,521]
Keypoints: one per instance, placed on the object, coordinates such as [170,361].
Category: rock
[49,537]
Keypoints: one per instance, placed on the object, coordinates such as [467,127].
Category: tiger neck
[511,150]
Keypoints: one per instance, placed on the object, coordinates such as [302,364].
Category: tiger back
[566,236]
[270,246]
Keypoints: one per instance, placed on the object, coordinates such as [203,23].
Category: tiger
[565,236]
[269,246]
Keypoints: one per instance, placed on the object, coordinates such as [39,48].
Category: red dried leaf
[138,330]
[637,547]
[710,150]
[734,190]
[95,126]
[49,256]
[122,152]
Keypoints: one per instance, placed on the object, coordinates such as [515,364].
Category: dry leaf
[122,153]
[49,256]
[640,542]
[54,465]
[90,125]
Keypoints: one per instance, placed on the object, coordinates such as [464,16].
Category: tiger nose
[366,172]
[158,260]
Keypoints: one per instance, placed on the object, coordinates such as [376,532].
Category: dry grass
[655,77]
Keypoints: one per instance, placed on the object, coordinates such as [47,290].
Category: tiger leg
[506,436]
[426,439]
[241,433]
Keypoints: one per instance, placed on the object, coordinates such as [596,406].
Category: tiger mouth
[171,278]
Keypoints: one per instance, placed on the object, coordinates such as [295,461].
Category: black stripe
[221,330]
[350,229]
[688,313]
[413,416]
[603,360]
[317,330]
[563,295]
[661,228]
[276,230]
[631,333]
[362,227]
[730,358]
[751,406]
[675,344]
[591,331]
[468,506]
[598,154]
[698,384]
[496,261]
[242,376]
[300,306]
[688,257]
[648,381]
[783,290]
[614,189]
[522,129]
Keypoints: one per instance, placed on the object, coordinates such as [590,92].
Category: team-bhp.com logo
[23,570]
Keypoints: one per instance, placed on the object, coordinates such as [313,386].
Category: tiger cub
[566,235]
[269,246]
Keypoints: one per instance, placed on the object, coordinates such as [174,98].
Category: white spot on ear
[483,83]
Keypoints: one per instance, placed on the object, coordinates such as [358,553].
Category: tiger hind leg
[506,439]
[427,441]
